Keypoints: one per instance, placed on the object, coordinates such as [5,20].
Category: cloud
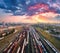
[30,10]
[57,18]
[44,17]
[41,6]
[50,15]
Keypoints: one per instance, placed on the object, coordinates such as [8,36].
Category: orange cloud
[44,17]
[39,18]
[17,19]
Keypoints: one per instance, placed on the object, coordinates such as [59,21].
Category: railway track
[29,41]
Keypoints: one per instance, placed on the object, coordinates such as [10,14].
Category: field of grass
[53,40]
[4,42]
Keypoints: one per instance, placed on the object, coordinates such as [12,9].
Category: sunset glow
[30,11]
[44,17]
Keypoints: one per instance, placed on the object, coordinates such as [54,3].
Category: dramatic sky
[30,11]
